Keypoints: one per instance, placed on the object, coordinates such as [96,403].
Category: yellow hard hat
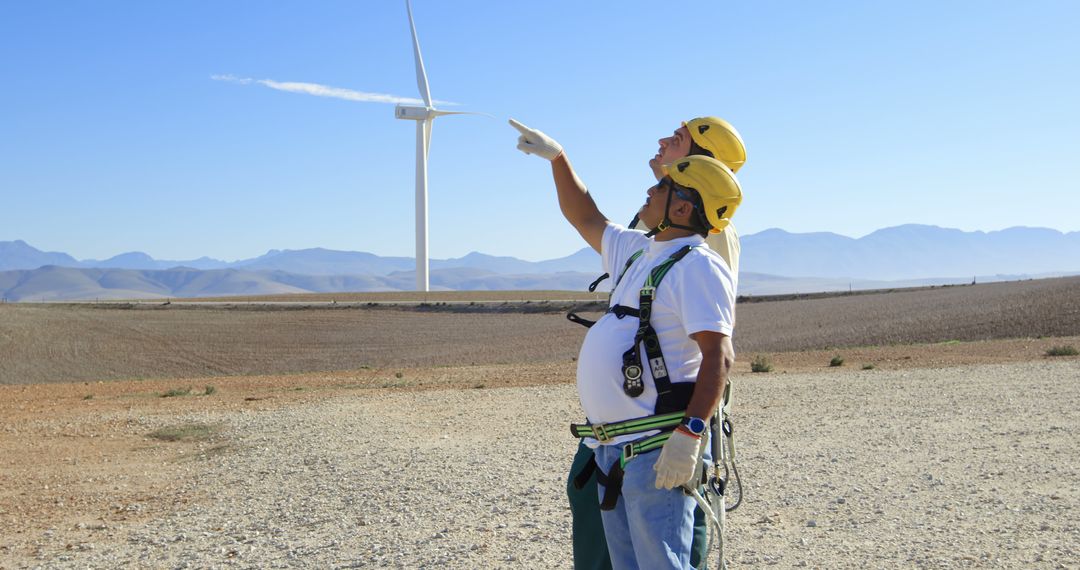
[720,138]
[714,182]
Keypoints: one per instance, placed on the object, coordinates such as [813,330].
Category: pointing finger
[520,127]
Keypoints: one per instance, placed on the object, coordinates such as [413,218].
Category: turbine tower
[424,117]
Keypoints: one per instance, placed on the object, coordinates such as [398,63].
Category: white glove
[679,459]
[535,142]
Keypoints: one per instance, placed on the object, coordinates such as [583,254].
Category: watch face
[695,425]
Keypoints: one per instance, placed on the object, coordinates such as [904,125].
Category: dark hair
[696,149]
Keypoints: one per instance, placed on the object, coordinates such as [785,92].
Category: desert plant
[1063,350]
[176,392]
[183,432]
[88,397]
[868,366]
[398,375]
[837,361]
[209,390]
[760,363]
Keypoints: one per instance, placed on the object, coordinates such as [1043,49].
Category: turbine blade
[427,136]
[439,113]
[421,75]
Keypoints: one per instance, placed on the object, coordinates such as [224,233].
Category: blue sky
[115,137]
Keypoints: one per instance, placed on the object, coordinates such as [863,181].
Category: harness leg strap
[612,482]
[587,471]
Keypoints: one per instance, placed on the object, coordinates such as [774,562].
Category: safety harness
[671,398]
[671,402]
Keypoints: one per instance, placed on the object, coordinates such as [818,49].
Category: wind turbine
[424,117]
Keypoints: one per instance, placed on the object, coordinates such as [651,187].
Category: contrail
[323,90]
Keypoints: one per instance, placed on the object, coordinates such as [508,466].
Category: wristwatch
[694,425]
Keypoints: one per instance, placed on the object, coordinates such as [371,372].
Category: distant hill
[319,261]
[58,284]
[315,261]
[20,255]
[897,253]
[773,262]
[911,252]
[140,260]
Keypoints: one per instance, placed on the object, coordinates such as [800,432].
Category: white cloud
[230,79]
[324,91]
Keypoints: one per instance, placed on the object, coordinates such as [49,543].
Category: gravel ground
[963,467]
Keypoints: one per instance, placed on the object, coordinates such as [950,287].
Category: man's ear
[683,210]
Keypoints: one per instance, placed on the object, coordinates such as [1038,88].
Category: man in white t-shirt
[680,370]
[705,136]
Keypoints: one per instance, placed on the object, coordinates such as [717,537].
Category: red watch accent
[686,431]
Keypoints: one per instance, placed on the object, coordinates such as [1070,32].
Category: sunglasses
[683,193]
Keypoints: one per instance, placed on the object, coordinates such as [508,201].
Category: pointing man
[668,360]
[706,136]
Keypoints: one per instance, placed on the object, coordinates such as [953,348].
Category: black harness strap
[573,317]
[612,482]
[646,335]
[595,284]
[586,472]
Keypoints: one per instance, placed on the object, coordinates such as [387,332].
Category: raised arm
[575,201]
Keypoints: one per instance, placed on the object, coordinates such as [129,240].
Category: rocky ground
[949,464]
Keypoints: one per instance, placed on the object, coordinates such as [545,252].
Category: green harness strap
[607,432]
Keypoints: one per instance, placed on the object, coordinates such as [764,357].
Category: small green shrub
[177,392]
[209,390]
[183,432]
[398,375]
[837,361]
[760,363]
[868,366]
[88,397]
[1064,350]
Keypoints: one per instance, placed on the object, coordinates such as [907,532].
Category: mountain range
[773,261]
[912,252]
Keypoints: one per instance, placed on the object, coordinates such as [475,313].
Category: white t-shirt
[726,243]
[697,294]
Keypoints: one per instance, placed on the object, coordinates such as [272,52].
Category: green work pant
[590,548]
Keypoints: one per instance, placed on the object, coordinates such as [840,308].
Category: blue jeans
[649,528]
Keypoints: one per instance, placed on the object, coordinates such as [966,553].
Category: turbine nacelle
[414,112]
[418,113]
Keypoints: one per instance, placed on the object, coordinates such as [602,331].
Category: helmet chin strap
[666,222]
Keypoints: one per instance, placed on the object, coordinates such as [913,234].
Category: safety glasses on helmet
[688,194]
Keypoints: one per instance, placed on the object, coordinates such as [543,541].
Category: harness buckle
[600,433]
[628,452]
[647,291]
